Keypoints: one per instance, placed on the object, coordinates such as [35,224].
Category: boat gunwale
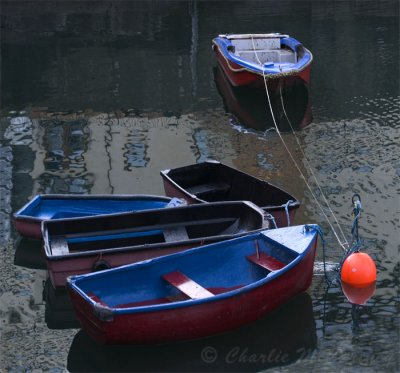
[272,276]
[254,36]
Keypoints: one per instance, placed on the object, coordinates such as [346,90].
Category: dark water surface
[97,97]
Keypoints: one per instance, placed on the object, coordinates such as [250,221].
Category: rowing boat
[42,207]
[255,59]
[198,292]
[212,181]
[90,244]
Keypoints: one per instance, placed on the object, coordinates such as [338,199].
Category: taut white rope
[345,242]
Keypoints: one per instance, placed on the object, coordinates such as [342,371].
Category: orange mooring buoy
[358,270]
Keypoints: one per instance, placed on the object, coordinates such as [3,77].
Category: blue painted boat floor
[219,271]
[42,208]
[200,274]
[170,299]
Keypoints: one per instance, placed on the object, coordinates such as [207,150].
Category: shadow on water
[278,339]
[251,110]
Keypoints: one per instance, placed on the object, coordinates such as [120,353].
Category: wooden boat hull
[158,321]
[78,246]
[241,72]
[230,184]
[28,219]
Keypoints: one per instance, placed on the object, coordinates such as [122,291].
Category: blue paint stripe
[113,236]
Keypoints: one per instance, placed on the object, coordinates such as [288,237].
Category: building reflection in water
[102,153]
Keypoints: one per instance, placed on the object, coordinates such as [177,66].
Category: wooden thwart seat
[208,187]
[186,285]
[59,246]
[175,234]
[266,261]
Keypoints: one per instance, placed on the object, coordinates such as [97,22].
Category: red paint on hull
[199,320]
[28,228]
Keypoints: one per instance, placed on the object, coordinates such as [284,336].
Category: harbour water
[98,97]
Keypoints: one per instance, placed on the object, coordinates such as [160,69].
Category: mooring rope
[270,217]
[343,244]
[319,231]
[309,166]
[357,208]
[355,247]
[286,207]
[356,241]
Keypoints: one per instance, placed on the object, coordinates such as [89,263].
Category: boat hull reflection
[251,109]
[59,313]
[29,253]
[281,338]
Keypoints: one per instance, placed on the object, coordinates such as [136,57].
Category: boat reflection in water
[59,313]
[281,338]
[29,253]
[251,109]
